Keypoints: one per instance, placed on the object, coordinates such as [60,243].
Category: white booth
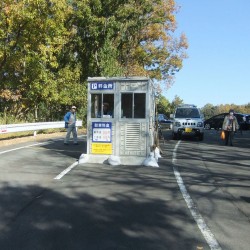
[120,119]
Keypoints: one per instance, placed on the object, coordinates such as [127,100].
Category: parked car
[188,121]
[245,125]
[216,121]
[164,122]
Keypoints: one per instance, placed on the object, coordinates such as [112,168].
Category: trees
[32,38]
[210,110]
[127,37]
[163,105]
[176,102]
[48,48]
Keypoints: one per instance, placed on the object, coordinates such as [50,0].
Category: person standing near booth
[70,124]
[230,125]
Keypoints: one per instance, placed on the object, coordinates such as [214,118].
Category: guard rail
[10,128]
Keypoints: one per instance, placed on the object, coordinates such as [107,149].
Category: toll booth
[120,119]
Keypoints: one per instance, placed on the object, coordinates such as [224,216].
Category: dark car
[217,121]
[164,122]
[245,125]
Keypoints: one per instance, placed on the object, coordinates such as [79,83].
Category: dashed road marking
[58,177]
[208,235]
[64,172]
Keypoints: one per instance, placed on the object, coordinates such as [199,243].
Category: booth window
[102,105]
[133,105]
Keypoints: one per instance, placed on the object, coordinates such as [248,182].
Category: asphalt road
[199,198]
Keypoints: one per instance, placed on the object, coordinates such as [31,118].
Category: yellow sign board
[102,148]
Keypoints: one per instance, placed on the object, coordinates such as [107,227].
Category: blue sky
[217,70]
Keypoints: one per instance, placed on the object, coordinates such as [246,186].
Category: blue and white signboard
[102,86]
[101,131]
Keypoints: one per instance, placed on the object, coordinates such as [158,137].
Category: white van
[187,121]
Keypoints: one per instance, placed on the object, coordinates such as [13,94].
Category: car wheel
[207,126]
[201,137]
[174,136]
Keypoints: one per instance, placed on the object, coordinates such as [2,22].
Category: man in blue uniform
[70,124]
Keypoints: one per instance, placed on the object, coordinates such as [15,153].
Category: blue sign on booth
[102,86]
[101,131]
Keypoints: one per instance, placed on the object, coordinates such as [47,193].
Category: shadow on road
[104,210]
[70,150]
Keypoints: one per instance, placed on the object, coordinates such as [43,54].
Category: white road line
[208,235]
[64,172]
[14,149]
[58,177]
[36,144]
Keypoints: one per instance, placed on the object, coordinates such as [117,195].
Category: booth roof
[135,78]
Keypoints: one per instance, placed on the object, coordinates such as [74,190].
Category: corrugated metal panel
[132,137]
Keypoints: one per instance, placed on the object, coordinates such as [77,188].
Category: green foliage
[176,102]
[210,110]
[109,66]
[163,106]
[48,49]
[32,39]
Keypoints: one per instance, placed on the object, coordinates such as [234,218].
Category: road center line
[208,235]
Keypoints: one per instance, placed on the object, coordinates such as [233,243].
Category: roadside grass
[13,135]
[16,137]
